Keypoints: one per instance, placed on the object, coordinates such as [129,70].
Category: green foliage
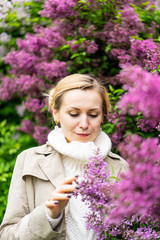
[11,144]
[17,26]
[8,111]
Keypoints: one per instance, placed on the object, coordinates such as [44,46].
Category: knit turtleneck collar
[79,150]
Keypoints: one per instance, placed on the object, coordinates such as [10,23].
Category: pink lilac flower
[145,53]
[146,125]
[26,83]
[95,191]
[32,43]
[130,25]
[141,86]
[7,88]
[107,216]
[91,46]
[145,233]
[85,32]
[40,134]
[21,62]
[33,104]
[73,45]
[137,193]
[20,85]
[27,126]
[52,71]
[58,9]
[119,122]
[48,37]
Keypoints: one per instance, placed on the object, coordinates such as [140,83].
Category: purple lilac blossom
[58,9]
[145,53]
[7,88]
[52,71]
[146,125]
[121,33]
[141,86]
[33,105]
[95,191]
[107,217]
[27,126]
[21,62]
[40,134]
[138,192]
[90,46]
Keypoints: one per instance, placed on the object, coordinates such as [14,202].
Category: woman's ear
[55,115]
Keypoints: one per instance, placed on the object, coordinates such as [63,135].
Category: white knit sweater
[74,156]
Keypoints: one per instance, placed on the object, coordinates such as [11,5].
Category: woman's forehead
[78,98]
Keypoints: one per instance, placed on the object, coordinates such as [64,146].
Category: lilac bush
[140,186]
[144,53]
[129,208]
[56,9]
[143,93]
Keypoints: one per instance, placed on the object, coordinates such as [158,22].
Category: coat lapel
[52,167]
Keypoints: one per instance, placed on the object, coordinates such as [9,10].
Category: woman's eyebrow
[75,108]
[93,109]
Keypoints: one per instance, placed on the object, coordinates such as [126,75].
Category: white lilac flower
[4,37]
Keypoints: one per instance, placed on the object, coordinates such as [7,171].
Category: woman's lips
[83,134]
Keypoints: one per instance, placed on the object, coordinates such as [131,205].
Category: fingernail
[77,176]
[69,196]
[77,187]
[56,202]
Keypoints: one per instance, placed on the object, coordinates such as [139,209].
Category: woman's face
[80,115]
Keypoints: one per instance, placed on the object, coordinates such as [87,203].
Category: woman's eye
[73,114]
[93,115]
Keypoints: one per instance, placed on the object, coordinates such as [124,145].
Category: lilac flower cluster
[58,9]
[9,85]
[52,71]
[117,207]
[120,34]
[39,133]
[95,190]
[22,84]
[138,192]
[141,86]
[90,46]
[33,105]
[119,121]
[45,38]
[145,53]
[146,125]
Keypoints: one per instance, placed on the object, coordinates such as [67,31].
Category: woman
[40,201]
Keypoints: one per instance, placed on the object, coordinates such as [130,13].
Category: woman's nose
[83,122]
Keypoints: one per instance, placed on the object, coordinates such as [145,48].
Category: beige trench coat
[38,171]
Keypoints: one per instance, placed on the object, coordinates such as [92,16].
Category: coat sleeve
[19,223]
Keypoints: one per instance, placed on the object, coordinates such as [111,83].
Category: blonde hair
[77,81]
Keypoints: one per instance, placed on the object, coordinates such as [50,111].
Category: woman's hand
[60,197]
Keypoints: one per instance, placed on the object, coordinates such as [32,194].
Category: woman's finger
[65,189]
[60,196]
[69,180]
[51,204]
